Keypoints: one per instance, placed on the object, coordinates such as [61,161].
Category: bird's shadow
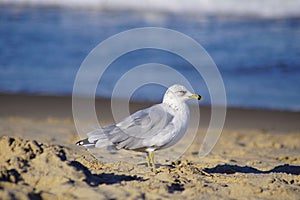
[104,178]
[231,169]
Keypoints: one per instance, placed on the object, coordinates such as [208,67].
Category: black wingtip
[85,143]
[80,143]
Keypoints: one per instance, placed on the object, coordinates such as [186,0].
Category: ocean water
[256,46]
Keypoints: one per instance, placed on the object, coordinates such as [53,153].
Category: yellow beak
[196,96]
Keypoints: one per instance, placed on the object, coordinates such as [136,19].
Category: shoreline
[43,106]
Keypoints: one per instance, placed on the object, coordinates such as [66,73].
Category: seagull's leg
[148,160]
[151,155]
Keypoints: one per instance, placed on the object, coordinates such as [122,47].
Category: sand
[256,157]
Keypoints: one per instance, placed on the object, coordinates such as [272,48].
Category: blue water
[41,50]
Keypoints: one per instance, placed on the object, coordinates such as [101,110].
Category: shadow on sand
[231,169]
[98,179]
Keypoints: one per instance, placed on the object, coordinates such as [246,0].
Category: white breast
[181,119]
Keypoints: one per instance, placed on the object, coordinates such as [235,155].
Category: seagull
[157,127]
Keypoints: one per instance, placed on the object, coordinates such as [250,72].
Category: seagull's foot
[154,169]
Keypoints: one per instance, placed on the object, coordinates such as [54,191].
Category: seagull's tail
[96,139]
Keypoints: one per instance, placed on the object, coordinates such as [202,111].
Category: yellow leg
[148,160]
[151,155]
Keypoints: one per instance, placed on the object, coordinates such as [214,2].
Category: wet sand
[256,157]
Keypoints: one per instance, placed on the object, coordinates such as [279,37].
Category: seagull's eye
[182,92]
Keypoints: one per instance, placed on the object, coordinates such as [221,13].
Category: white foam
[249,8]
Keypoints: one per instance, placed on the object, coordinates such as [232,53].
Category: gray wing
[142,129]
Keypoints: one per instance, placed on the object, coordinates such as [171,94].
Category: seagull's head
[180,93]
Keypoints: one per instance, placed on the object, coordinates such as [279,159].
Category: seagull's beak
[196,96]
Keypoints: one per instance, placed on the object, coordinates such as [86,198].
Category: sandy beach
[256,157]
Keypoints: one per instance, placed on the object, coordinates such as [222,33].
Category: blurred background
[255,44]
